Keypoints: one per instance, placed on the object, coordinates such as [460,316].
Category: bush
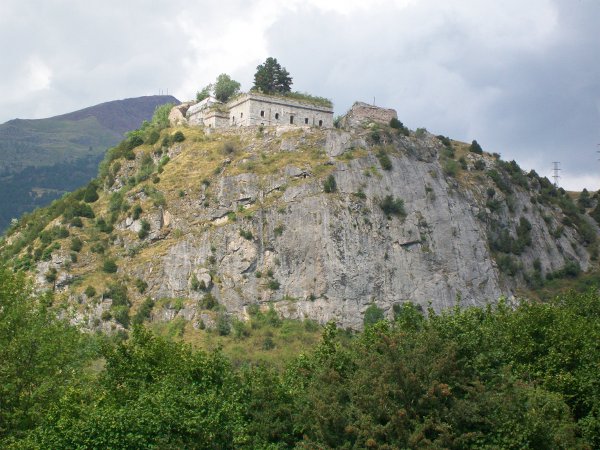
[273,285]
[76,244]
[330,185]
[397,125]
[141,285]
[121,314]
[384,160]
[109,266]
[90,195]
[392,206]
[223,325]
[178,137]
[451,167]
[479,164]
[117,292]
[76,222]
[373,314]
[475,148]
[246,235]
[153,137]
[208,301]
[137,211]
[90,291]
[144,230]
[144,311]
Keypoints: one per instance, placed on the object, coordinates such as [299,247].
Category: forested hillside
[42,159]
[510,376]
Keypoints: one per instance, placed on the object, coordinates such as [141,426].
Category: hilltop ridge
[315,223]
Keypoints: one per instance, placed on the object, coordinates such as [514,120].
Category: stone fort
[252,109]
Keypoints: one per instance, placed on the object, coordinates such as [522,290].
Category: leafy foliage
[509,376]
[392,206]
[330,185]
[225,87]
[475,148]
[272,78]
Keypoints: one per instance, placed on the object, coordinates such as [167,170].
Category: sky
[522,78]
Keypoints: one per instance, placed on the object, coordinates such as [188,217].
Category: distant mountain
[43,158]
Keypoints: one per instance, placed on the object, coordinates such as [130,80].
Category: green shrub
[273,285]
[399,126]
[392,206]
[373,314]
[121,314]
[384,160]
[246,234]
[178,137]
[117,292]
[508,265]
[475,148]
[144,230]
[78,210]
[479,164]
[144,311]
[268,343]
[330,185]
[109,266]
[223,325]
[153,137]
[90,291]
[208,301]
[445,140]
[76,244]
[90,195]
[98,247]
[420,132]
[136,212]
[451,167]
[141,285]
[76,222]
[103,226]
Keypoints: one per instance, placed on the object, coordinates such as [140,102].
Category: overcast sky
[521,77]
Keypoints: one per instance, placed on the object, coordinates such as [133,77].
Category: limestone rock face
[256,226]
[177,116]
[328,256]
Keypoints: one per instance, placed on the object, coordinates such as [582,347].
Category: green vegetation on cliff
[523,376]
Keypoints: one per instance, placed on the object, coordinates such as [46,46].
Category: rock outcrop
[323,223]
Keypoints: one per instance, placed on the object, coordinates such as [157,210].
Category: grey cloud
[521,78]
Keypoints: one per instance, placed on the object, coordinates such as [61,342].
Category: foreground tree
[271,78]
[40,357]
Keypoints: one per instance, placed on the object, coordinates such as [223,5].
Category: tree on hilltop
[271,78]
[223,89]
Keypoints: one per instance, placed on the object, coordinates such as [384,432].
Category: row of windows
[262,114]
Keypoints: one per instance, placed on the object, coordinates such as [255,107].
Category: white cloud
[39,75]
[520,77]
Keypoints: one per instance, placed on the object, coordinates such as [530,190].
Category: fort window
[306,121]
[320,123]
[276,116]
[262,114]
[241,115]
[291,119]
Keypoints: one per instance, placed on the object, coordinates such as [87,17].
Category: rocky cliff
[316,223]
